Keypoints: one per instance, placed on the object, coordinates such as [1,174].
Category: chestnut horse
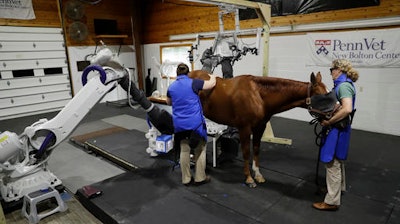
[248,102]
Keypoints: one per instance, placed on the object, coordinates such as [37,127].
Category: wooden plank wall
[121,11]
[171,17]
[127,13]
[155,20]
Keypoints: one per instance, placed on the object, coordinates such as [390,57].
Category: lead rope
[319,138]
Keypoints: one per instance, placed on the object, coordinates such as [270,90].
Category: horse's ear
[319,77]
[312,78]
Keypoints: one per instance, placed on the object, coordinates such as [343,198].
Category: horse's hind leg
[257,135]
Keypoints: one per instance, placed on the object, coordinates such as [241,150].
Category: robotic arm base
[15,189]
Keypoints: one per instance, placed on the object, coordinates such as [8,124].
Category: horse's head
[320,103]
[317,87]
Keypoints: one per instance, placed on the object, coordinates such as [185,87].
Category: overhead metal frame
[264,14]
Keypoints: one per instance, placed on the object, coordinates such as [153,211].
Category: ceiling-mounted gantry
[264,14]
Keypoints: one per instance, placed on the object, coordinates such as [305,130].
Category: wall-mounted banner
[375,48]
[16,9]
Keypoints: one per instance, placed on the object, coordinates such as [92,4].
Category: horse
[248,102]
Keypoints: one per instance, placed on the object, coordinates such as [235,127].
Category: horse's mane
[277,84]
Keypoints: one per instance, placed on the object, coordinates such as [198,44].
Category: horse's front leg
[257,135]
[256,168]
[245,145]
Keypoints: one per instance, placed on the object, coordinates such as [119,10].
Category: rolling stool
[31,201]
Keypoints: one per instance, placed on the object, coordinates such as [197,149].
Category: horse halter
[321,106]
[308,99]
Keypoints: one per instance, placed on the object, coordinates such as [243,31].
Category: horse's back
[235,101]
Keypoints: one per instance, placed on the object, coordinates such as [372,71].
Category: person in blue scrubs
[190,131]
[336,143]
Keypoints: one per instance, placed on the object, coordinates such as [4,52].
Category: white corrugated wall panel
[33,71]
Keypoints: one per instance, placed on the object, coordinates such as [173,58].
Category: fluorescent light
[183,36]
[353,24]
[281,29]
[387,21]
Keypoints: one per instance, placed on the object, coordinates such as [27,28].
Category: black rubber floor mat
[125,148]
[156,196]
[81,139]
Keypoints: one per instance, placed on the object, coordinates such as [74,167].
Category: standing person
[336,144]
[189,123]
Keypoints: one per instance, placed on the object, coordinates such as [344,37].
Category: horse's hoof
[251,185]
[260,179]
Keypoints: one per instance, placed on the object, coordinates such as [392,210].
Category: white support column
[264,13]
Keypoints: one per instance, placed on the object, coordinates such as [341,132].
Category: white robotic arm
[72,114]
[23,158]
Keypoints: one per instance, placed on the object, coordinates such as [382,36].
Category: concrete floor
[373,174]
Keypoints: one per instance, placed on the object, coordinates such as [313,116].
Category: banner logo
[320,45]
